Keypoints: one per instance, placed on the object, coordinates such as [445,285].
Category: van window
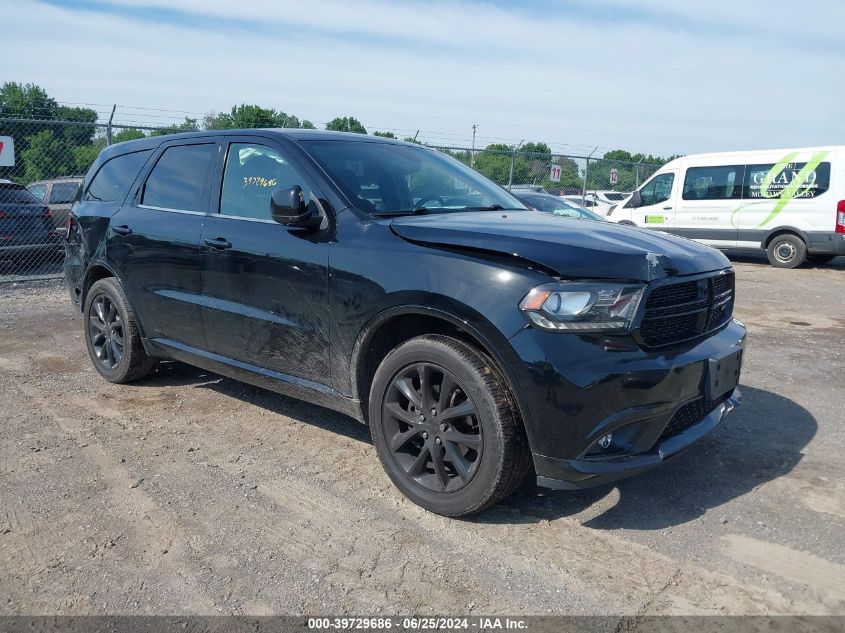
[658,190]
[179,177]
[761,183]
[713,183]
[114,178]
[253,173]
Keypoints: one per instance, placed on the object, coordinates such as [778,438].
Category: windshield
[384,179]
[16,194]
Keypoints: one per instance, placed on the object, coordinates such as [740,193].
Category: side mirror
[288,207]
[635,201]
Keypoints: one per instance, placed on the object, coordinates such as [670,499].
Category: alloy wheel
[105,331]
[432,427]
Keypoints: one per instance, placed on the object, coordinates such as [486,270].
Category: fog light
[605,440]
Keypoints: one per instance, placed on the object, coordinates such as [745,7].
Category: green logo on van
[777,185]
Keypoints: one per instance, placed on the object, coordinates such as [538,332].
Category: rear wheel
[444,426]
[112,336]
[786,251]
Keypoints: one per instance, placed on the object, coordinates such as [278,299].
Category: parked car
[556,206]
[58,194]
[526,189]
[476,337]
[789,203]
[26,224]
[588,202]
[609,196]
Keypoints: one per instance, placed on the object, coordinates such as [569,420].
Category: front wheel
[444,426]
[786,251]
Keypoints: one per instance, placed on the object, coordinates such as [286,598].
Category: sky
[659,76]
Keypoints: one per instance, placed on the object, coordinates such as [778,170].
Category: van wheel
[786,251]
[111,334]
[444,426]
[820,260]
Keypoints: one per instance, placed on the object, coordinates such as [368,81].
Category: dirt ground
[194,494]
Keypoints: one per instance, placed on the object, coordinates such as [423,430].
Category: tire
[481,454]
[820,260]
[786,251]
[112,336]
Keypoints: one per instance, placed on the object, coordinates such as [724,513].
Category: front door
[265,285]
[656,210]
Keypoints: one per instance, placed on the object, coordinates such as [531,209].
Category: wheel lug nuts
[434,412]
[422,418]
[444,427]
[425,436]
[438,441]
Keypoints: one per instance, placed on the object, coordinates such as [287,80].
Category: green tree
[188,125]
[384,134]
[46,144]
[346,124]
[254,116]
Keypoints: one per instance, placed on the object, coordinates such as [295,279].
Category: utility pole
[472,153]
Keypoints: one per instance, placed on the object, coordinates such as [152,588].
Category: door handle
[220,243]
[122,230]
[667,208]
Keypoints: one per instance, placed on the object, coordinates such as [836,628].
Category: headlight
[583,306]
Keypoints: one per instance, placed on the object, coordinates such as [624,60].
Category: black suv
[389,281]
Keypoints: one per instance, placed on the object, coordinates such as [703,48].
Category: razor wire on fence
[39,186]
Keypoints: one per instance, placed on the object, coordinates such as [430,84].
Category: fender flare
[489,347]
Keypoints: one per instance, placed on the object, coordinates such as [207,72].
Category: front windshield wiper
[494,207]
[394,214]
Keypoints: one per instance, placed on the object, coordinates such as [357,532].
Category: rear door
[709,197]
[265,284]
[154,240]
[60,199]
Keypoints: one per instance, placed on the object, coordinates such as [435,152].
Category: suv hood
[570,247]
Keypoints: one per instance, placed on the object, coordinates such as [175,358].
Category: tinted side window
[63,192]
[658,190]
[16,194]
[114,178]
[179,177]
[713,183]
[762,181]
[253,173]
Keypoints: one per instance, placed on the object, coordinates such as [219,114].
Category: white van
[789,202]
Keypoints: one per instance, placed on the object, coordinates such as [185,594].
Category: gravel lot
[190,493]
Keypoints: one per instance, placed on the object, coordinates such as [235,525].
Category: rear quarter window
[16,194]
[115,176]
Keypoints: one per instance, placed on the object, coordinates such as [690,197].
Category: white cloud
[646,86]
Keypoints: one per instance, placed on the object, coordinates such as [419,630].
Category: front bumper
[574,474]
[576,390]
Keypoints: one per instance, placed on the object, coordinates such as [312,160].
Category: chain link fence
[52,156]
